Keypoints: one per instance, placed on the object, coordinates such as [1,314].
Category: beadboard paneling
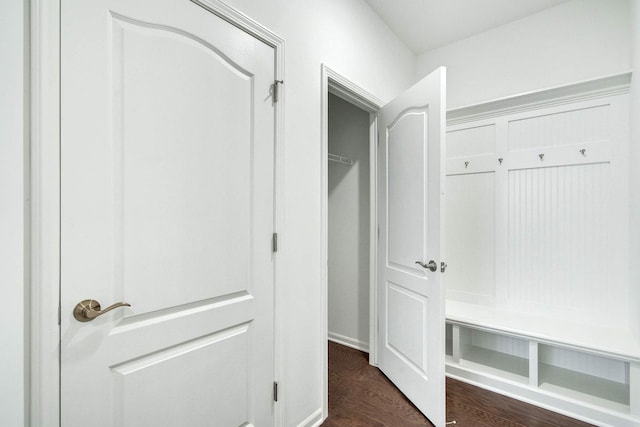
[499,343]
[613,370]
[558,238]
[559,129]
[560,226]
[558,173]
[470,238]
[471,141]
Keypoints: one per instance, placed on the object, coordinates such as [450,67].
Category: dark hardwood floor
[361,396]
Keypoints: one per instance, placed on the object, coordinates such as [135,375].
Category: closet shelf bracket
[340,159]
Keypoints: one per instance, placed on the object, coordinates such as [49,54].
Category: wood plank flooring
[361,396]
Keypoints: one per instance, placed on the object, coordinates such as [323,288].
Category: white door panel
[409,308]
[406,189]
[167,164]
[410,297]
[168,176]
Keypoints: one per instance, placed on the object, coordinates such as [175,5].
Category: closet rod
[340,159]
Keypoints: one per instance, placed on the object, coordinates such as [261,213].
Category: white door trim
[349,91]
[44,394]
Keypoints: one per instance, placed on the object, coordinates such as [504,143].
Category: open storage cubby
[586,384]
[495,354]
[595,379]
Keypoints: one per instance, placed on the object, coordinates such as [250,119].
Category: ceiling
[427,24]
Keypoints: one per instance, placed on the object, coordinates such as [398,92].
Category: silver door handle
[431,265]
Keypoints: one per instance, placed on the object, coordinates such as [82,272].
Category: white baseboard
[583,411]
[349,342]
[313,420]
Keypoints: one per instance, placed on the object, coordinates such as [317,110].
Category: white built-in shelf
[607,85]
[538,304]
[611,342]
[509,367]
[585,388]
[576,382]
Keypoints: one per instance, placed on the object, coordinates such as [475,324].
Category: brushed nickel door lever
[89,309]
[431,265]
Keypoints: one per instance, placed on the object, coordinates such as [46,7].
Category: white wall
[575,41]
[348,212]
[352,40]
[13,134]
[634,166]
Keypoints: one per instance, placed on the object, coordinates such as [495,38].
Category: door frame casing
[337,84]
[44,336]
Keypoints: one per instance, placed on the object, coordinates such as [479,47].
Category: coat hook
[500,160]
[583,152]
[466,165]
[541,155]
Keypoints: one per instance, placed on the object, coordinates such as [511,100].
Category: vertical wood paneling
[500,343]
[589,364]
[559,238]
[564,128]
[471,141]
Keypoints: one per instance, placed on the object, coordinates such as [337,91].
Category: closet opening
[349,224]
[348,217]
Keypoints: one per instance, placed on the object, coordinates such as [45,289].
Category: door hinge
[274,242]
[59,315]
[276,93]
[275,391]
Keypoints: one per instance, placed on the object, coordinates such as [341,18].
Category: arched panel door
[167,166]
[411,348]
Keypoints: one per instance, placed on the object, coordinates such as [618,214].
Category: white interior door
[167,170]
[411,348]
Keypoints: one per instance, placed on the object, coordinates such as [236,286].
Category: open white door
[411,350]
[167,183]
